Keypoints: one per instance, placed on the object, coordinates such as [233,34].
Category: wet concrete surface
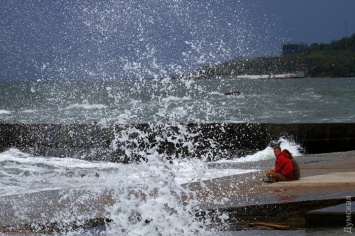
[250,185]
[338,215]
[48,211]
[326,180]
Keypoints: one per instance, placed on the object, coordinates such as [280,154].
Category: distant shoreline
[336,60]
[265,76]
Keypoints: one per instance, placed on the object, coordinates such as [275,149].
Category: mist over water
[121,39]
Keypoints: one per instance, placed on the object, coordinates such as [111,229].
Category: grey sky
[311,21]
[65,38]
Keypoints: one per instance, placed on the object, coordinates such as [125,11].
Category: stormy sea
[155,102]
[111,63]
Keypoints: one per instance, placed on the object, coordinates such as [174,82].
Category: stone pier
[110,143]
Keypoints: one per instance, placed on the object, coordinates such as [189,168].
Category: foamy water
[24,173]
[85,106]
[5,112]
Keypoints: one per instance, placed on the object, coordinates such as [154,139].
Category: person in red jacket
[295,165]
[283,170]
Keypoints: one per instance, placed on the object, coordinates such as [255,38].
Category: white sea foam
[5,112]
[29,111]
[268,152]
[85,106]
[22,172]
[172,98]
[196,170]
[216,93]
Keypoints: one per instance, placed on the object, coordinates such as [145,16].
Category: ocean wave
[5,112]
[268,152]
[172,98]
[86,106]
[29,111]
[216,93]
[25,173]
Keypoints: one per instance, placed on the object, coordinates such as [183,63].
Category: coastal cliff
[336,59]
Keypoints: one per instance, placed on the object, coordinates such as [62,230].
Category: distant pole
[346,29]
[346,36]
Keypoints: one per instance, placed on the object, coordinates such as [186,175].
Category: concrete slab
[334,216]
[327,179]
[322,176]
[54,209]
[335,178]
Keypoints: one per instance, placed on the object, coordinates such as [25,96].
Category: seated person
[283,170]
[296,166]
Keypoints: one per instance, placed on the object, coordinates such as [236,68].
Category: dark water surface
[138,101]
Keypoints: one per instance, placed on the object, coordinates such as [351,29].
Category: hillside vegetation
[336,59]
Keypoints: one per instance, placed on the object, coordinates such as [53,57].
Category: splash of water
[142,39]
[147,197]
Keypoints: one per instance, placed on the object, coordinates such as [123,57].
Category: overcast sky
[311,21]
[67,38]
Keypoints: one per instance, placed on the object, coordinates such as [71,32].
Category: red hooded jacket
[283,165]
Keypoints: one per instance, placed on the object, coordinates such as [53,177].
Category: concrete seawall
[123,143]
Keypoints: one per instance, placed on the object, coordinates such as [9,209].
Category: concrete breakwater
[125,143]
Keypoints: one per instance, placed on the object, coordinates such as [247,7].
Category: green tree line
[336,59]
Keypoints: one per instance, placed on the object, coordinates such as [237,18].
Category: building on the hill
[291,48]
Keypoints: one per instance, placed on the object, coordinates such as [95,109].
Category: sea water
[155,101]
[122,101]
